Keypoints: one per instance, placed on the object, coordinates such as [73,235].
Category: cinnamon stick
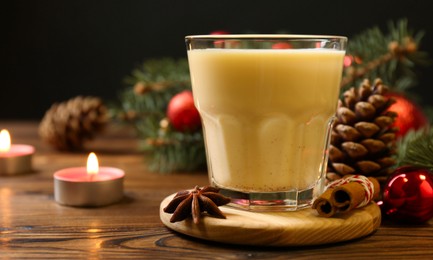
[350,195]
[323,204]
[343,195]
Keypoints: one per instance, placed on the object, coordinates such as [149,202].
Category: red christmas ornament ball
[410,115]
[219,32]
[282,45]
[408,195]
[181,112]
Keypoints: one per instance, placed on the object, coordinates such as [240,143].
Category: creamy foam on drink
[265,114]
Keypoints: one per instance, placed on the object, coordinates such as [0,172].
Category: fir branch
[391,57]
[416,149]
[160,70]
[355,74]
[176,152]
[150,88]
[144,102]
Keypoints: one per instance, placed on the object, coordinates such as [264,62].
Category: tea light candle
[14,159]
[90,186]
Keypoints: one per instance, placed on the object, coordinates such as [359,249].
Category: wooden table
[33,225]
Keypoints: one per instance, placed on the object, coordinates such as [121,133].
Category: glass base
[270,201]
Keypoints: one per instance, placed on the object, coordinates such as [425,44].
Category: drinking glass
[267,104]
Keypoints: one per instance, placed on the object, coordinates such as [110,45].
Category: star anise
[187,203]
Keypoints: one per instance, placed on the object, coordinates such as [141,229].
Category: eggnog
[265,114]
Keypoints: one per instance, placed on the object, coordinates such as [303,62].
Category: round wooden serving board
[297,228]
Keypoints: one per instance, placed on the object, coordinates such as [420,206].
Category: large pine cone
[68,124]
[363,139]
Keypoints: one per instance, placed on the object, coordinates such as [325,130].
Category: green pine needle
[167,149]
[179,152]
[416,149]
[372,44]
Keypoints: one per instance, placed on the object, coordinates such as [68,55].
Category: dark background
[55,50]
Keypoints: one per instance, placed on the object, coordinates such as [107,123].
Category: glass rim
[266,37]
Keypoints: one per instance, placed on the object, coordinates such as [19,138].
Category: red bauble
[219,32]
[182,113]
[408,195]
[410,115]
[282,45]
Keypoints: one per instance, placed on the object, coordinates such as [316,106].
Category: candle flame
[92,164]
[5,141]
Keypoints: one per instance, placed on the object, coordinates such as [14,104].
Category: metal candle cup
[14,159]
[76,187]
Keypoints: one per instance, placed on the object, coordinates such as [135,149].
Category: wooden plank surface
[32,225]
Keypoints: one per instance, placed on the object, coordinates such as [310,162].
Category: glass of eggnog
[267,103]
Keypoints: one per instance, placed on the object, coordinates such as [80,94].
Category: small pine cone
[363,139]
[68,124]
